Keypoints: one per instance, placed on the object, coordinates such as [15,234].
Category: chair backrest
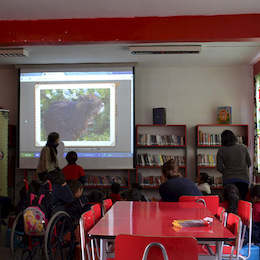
[234,225]
[86,222]
[211,201]
[130,247]
[97,212]
[221,214]
[107,204]
[244,211]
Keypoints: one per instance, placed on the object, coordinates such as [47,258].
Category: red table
[155,219]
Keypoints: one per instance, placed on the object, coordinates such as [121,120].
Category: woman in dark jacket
[174,185]
[233,161]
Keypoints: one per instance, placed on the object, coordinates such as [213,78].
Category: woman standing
[48,160]
[233,161]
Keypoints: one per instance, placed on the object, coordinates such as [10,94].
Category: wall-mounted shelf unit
[208,140]
[156,144]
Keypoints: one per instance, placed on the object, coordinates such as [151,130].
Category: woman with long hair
[48,159]
[233,161]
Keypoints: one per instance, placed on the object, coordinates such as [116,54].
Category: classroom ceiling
[212,54]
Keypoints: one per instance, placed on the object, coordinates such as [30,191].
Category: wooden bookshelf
[208,141]
[156,144]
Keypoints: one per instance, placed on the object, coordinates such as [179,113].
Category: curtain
[257,126]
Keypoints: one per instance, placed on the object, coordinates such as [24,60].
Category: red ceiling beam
[244,27]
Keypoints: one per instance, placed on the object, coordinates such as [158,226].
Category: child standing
[73,171]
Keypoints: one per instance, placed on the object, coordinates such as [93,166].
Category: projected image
[82,114]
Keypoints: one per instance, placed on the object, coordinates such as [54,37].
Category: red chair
[129,247]
[211,201]
[86,222]
[221,215]
[244,211]
[107,204]
[230,250]
[97,212]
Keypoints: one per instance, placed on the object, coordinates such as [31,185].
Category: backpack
[34,217]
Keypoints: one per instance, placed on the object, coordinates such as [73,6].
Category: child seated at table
[231,198]
[133,195]
[76,208]
[139,187]
[203,183]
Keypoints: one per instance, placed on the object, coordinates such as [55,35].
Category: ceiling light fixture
[13,53]
[165,49]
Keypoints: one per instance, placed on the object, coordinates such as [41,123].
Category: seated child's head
[115,188]
[203,177]
[55,177]
[96,196]
[124,195]
[76,188]
[231,194]
[71,157]
[255,193]
[134,195]
[136,186]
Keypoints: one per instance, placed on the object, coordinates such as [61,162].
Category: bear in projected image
[71,118]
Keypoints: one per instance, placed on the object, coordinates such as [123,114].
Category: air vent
[177,49]
[13,53]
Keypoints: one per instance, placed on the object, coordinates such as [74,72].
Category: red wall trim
[244,27]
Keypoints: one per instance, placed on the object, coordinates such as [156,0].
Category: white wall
[9,92]
[191,96]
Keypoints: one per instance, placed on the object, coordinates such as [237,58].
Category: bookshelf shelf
[156,144]
[208,141]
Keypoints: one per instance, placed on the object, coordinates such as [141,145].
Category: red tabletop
[155,219]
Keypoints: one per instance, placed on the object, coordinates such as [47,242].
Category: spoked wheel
[22,246]
[59,238]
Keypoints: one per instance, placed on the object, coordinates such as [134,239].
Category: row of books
[207,160]
[93,180]
[158,159]
[214,139]
[151,181]
[148,139]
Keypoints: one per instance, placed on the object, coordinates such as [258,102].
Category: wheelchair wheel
[59,237]
[22,246]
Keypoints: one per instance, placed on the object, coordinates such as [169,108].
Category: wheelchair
[55,242]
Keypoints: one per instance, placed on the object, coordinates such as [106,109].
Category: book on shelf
[158,159]
[224,115]
[206,160]
[150,181]
[215,139]
[93,180]
[161,140]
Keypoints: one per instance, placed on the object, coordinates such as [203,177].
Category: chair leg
[92,249]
